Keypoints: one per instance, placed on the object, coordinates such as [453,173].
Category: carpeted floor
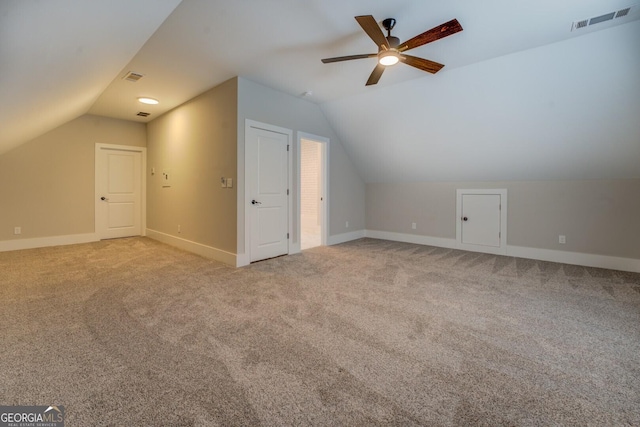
[132,332]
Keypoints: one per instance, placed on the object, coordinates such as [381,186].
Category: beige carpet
[132,332]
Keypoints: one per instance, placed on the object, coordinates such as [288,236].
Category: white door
[482,220]
[268,178]
[118,192]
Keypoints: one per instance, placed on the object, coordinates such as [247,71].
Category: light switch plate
[229,183]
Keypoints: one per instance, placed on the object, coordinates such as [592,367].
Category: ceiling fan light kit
[388,57]
[390,49]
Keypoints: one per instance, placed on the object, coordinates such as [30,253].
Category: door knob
[104,199]
[255,202]
[464,218]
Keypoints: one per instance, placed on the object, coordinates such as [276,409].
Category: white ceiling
[64,58]
[58,56]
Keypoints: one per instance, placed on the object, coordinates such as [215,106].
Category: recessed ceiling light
[149,101]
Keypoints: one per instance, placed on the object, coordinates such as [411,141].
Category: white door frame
[245,260]
[324,167]
[143,181]
[502,249]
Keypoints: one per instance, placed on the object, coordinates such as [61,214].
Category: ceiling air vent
[603,18]
[623,12]
[580,24]
[132,76]
[142,114]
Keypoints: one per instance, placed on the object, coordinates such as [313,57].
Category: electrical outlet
[17,230]
[229,182]
[223,182]
[562,239]
[413,226]
[346,224]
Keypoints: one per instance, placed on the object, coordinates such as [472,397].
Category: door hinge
[500,207]
[287,235]
[499,234]
[287,191]
[287,147]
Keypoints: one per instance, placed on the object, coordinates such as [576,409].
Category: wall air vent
[583,23]
[142,114]
[132,76]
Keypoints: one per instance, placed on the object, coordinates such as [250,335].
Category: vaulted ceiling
[521,96]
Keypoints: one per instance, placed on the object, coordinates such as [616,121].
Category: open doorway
[312,191]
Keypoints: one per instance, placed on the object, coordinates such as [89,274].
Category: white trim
[194,247]
[325,143]
[43,242]
[295,248]
[576,258]
[245,258]
[502,249]
[242,260]
[346,237]
[413,238]
[143,197]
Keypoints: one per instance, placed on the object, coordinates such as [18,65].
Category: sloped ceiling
[58,56]
[521,96]
[570,110]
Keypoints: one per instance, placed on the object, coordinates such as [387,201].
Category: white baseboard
[412,238]
[190,246]
[345,237]
[576,258]
[43,242]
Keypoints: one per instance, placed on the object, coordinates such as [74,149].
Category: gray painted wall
[49,183]
[346,188]
[597,217]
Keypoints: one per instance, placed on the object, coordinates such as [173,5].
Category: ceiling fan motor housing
[393,41]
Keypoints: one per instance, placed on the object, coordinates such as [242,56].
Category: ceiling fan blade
[373,30]
[375,75]
[432,35]
[349,57]
[422,64]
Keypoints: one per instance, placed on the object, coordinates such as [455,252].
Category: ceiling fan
[391,51]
